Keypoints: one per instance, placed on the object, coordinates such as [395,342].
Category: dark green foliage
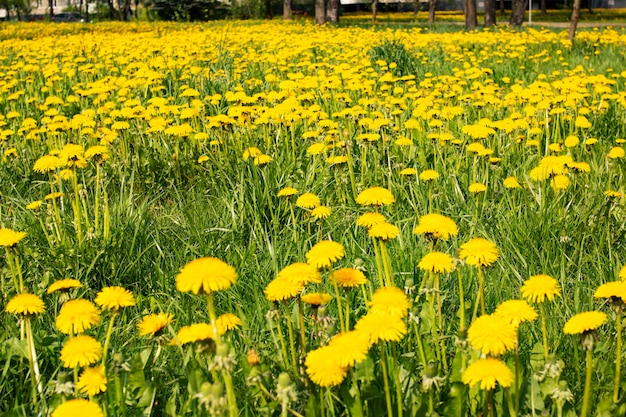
[188,10]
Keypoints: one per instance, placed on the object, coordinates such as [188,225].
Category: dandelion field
[246,218]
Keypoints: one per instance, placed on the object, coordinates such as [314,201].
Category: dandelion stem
[96,201]
[358,412]
[383,362]
[587,393]
[292,345]
[509,401]
[339,309]
[107,339]
[301,325]
[34,366]
[386,263]
[618,355]
[379,267]
[544,331]
[397,382]
[517,387]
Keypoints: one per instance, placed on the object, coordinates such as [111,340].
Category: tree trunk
[574,23]
[320,12]
[470,15]
[517,12]
[333,11]
[490,13]
[417,7]
[374,7]
[590,6]
[111,9]
[432,5]
[51,6]
[543,8]
[501,7]
[286,9]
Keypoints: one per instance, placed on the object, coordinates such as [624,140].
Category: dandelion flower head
[323,254]
[64,285]
[539,287]
[78,407]
[152,324]
[92,381]
[370,219]
[436,226]
[351,347]
[584,322]
[324,367]
[348,277]
[10,238]
[226,322]
[301,272]
[437,262]
[384,231]
[316,298]
[205,274]
[516,311]
[375,196]
[391,301]
[493,335]
[81,350]
[379,326]
[114,298]
[488,372]
[308,201]
[479,252]
[25,304]
[76,316]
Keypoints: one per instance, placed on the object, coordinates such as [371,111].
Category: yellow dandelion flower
[76,316]
[616,153]
[301,272]
[320,212]
[488,372]
[375,196]
[584,322]
[35,205]
[79,407]
[560,182]
[511,182]
[370,219]
[53,196]
[428,175]
[493,335]
[408,171]
[436,226]
[251,152]
[25,304]
[383,231]
[324,368]
[437,262]
[391,301]
[47,163]
[205,274]
[479,252]
[202,159]
[614,289]
[64,285]
[81,350]
[226,322]
[92,381]
[316,298]
[477,187]
[516,311]
[98,153]
[286,192]
[262,160]
[113,298]
[539,287]
[282,289]
[323,254]
[308,201]
[152,324]
[351,347]
[348,277]
[10,238]
[198,332]
[378,326]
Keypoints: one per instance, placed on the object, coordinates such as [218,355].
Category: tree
[333,11]
[286,9]
[374,10]
[470,15]
[543,8]
[490,13]
[320,12]
[517,12]
[432,5]
[574,22]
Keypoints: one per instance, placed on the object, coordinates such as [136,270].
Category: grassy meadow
[267,218]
